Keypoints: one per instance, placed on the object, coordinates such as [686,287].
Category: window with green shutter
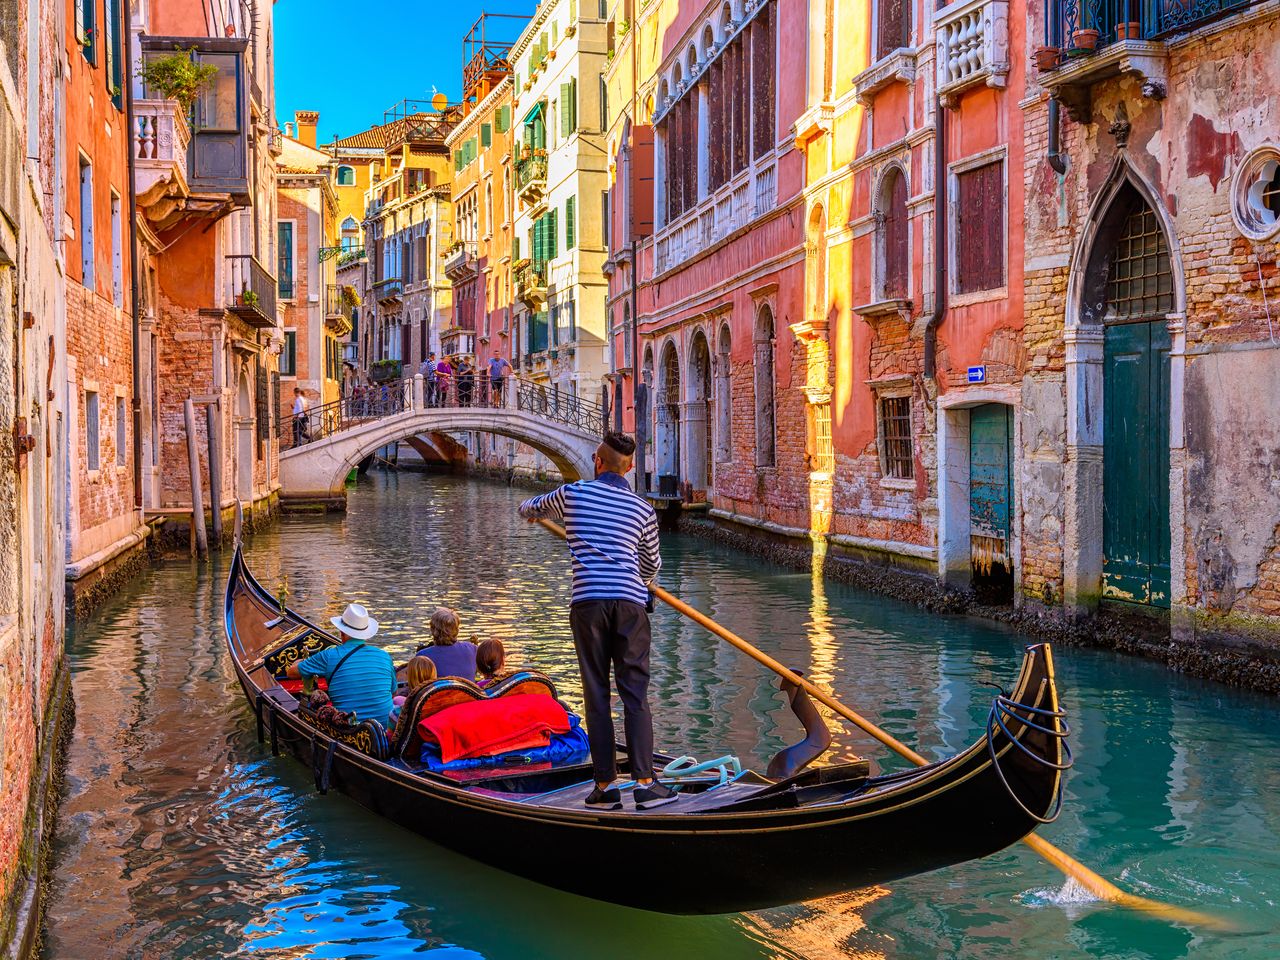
[457,160]
[503,118]
[111,43]
[486,134]
[566,111]
[555,33]
[87,29]
[553,233]
[570,216]
[573,11]
[515,247]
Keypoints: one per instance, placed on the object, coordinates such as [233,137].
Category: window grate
[1140,283]
[895,429]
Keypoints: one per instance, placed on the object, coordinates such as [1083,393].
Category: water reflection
[181,837]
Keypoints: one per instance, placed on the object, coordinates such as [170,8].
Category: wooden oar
[1099,886]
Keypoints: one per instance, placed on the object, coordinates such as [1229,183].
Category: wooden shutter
[570,212]
[503,118]
[979,238]
[486,134]
[895,241]
[573,105]
[553,233]
[892,32]
[261,402]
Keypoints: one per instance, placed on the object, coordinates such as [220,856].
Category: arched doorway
[668,410]
[1129,290]
[724,397]
[244,439]
[766,438]
[699,414]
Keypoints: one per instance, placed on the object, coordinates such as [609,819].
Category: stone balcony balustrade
[161,139]
[972,39]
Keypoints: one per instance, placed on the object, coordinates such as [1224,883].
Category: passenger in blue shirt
[361,678]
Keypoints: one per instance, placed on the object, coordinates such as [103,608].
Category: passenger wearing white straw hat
[361,678]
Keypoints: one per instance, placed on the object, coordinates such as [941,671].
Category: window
[766,440]
[488,209]
[117,252]
[568,109]
[87,29]
[503,117]
[895,438]
[486,134]
[570,211]
[605,236]
[92,451]
[1256,194]
[350,234]
[289,354]
[979,228]
[894,26]
[218,105]
[604,105]
[346,176]
[724,398]
[284,258]
[894,253]
[86,223]
[762,83]
[1139,282]
[121,431]
[111,44]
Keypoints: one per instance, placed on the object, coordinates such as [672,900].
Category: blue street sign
[978,374]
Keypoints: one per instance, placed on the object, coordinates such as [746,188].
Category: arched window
[893,256]
[894,27]
[350,233]
[724,397]
[701,413]
[346,176]
[766,440]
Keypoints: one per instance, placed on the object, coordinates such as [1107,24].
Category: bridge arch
[318,470]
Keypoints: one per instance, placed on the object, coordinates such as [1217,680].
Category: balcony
[338,301]
[531,177]
[390,290]
[530,280]
[460,263]
[162,136]
[349,256]
[973,46]
[748,196]
[250,291]
[218,152]
[1085,44]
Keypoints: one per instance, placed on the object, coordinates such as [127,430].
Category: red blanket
[488,727]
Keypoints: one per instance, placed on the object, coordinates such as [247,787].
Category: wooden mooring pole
[197,499]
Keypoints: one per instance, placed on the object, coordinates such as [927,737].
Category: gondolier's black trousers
[615,632]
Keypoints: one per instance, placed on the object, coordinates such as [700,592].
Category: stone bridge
[337,436]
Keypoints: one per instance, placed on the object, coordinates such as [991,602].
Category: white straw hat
[355,622]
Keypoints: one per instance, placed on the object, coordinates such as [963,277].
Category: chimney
[307,120]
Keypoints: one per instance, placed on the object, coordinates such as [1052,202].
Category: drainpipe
[939,240]
[127,91]
[1055,157]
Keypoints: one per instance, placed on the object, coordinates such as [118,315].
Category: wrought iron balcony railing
[1079,28]
[391,288]
[250,291]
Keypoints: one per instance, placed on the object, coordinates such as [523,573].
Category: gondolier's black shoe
[654,795]
[610,799]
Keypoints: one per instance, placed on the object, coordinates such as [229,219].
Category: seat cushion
[486,727]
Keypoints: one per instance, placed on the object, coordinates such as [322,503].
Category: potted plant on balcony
[1132,30]
[1046,57]
[1086,38]
[177,76]
[249,299]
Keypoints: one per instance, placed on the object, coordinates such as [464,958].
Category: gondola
[730,843]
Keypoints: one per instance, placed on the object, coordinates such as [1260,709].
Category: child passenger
[491,662]
[419,672]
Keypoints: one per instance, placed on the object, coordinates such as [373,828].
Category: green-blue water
[182,837]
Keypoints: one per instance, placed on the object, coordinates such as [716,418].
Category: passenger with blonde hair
[417,673]
[452,657]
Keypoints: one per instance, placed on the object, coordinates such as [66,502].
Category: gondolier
[613,539]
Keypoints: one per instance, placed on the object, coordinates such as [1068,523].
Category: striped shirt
[612,533]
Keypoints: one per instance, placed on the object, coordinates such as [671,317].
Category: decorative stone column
[1082,475]
[819,453]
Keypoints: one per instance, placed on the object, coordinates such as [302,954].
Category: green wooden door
[990,485]
[1135,540]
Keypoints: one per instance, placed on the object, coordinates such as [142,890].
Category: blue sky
[353,59]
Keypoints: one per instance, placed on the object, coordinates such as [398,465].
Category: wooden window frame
[954,170]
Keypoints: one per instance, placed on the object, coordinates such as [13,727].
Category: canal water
[181,837]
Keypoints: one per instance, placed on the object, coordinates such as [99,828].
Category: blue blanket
[562,748]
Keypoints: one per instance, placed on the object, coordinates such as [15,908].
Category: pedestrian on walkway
[499,370]
[466,382]
[301,429]
[613,540]
[429,375]
[444,374]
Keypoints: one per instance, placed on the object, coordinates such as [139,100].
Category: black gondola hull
[901,825]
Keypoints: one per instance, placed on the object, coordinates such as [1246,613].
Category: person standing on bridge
[499,370]
[613,539]
[428,371]
[301,429]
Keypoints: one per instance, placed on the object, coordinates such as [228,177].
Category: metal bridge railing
[367,403]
